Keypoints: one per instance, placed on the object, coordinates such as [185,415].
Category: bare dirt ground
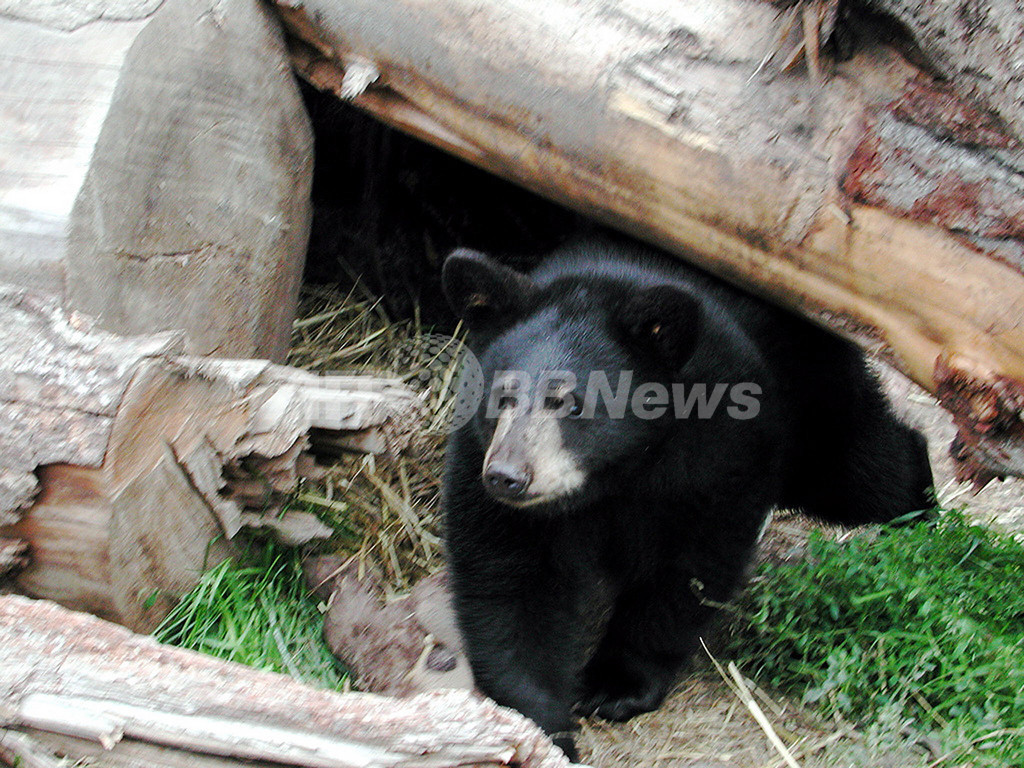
[705,725]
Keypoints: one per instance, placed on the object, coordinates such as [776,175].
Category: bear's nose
[507,480]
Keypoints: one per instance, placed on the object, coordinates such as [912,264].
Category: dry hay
[383,507]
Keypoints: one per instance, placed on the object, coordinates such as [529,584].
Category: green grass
[926,621]
[256,610]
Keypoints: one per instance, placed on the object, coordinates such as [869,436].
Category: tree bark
[881,203]
[129,466]
[108,687]
[975,44]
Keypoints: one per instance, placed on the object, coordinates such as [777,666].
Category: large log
[127,466]
[156,165]
[74,684]
[880,202]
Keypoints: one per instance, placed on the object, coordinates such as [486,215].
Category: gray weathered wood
[62,671]
[156,166]
[61,383]
[862,202]
[127,464]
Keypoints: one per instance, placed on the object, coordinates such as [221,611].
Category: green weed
[927,621]
[256,610]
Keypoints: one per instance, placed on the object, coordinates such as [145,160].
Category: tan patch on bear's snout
[533,436]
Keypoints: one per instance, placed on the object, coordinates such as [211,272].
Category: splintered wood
[81,686]
[128,466]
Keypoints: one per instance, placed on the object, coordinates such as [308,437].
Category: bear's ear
[664,321]
[481,290]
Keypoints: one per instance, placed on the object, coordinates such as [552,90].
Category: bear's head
[577,373]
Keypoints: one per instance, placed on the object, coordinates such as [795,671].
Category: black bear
[640,420]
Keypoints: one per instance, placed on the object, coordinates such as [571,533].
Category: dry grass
[383,507]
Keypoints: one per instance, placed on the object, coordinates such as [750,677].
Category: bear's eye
[569,403]
[552,402]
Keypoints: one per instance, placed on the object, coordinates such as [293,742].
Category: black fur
[595,600]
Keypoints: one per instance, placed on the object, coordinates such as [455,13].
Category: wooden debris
[131,466]
[110,687]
